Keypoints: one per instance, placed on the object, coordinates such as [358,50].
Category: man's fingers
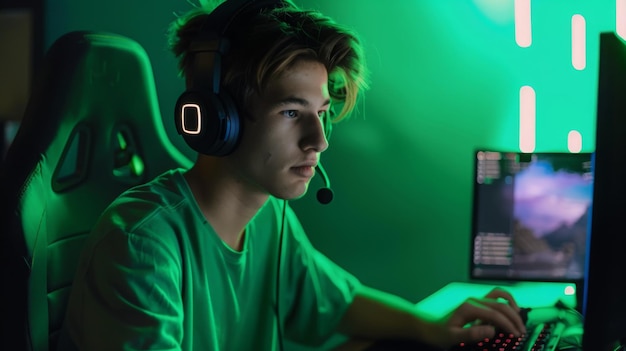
[509,312]
[498,293]
[498,314]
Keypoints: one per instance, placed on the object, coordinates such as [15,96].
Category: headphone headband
[211,43]
[231,11]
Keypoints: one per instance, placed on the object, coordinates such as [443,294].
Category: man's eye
[290,113]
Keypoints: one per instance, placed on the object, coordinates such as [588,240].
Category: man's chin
[293,195]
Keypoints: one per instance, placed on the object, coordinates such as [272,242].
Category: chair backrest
[92,129]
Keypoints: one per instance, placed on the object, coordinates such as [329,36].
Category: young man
[213,258]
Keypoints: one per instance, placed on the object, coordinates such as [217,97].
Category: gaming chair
[91,129]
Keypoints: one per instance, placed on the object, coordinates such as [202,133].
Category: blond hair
[268,43]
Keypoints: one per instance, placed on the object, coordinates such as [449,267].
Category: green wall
[445,79]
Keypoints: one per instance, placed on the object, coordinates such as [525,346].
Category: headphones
[205,115]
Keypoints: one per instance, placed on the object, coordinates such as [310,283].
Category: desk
[444,300]
[527,294]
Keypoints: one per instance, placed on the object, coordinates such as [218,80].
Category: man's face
[284,136]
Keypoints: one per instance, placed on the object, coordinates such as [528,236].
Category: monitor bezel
[604,305]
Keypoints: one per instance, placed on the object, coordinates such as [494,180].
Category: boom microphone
[325,194]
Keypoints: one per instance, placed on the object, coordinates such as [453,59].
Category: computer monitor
[604,303]
[530,215]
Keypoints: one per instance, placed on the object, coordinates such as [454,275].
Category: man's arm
[374,315]
[128,296]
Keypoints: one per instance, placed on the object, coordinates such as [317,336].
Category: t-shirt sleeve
[318,291]
[130,297]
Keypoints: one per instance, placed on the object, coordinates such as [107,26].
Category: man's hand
[479,318]
[374,315]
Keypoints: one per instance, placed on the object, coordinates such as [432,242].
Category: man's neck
[224,202]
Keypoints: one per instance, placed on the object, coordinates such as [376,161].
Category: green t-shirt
[155,275]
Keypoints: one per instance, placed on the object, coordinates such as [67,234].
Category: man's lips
[306,170]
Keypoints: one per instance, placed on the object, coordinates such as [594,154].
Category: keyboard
[541,337]
[544,331]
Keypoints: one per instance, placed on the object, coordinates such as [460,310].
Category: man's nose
[314,136]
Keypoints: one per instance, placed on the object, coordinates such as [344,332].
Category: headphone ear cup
[231,133]
[208,122]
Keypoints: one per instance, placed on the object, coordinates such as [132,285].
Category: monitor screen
[530,216]
[604,303]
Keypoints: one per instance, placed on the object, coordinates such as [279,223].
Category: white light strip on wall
[527,119]
[579,42]
[620,18]
[574,141]
[523,28]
